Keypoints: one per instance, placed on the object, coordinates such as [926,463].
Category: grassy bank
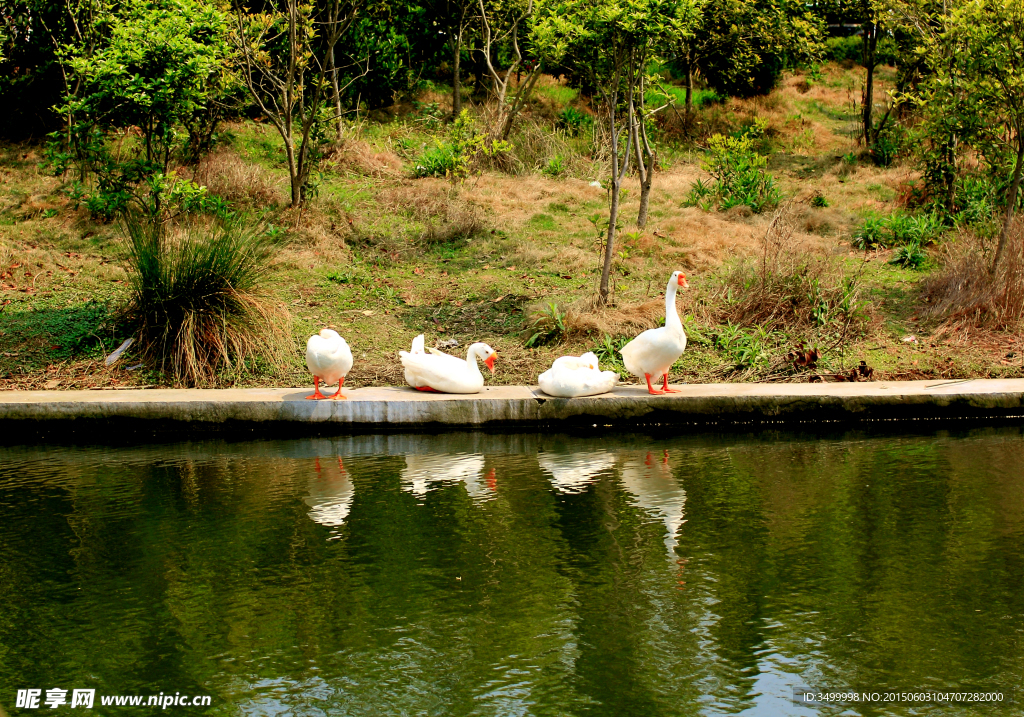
[381,256]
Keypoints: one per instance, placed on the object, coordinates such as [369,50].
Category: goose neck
[671,313]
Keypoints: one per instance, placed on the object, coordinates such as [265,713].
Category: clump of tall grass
[785,289]
[197,299]
[966,293]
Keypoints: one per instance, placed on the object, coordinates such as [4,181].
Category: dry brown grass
[784,287]
[588,318]
[445,214]
[361,158]
[227,175]
[965,293]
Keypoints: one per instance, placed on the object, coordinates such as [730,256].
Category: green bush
[573,121]
[890,143]
[898,229]
[705,97]
[555,167]
[739,174]
[437,161]
[457,158]
[547,325]
[161,70]
[840,49]
[909,256]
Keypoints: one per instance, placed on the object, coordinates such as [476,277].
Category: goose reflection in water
[425,469]
[648,476]
[573,472]
[330,494]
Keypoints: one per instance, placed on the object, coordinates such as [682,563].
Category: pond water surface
[481,574]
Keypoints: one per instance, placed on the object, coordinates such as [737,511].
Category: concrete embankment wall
[194,411]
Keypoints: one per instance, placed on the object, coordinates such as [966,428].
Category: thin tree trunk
[1011,206]
[293,173]
[456,79]
[609,246]
[645,191]
[617,175]
[870,43]
[689,84]
[336,93]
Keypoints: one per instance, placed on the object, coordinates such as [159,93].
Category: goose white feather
[329,359]
[573,376]
[436,371]
[652,353]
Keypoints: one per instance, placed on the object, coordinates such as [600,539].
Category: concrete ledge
[196,410]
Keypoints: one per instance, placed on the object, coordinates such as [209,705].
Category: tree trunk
[689,84]
[1011,206]
[870,43]
[293,171]
[645,191]
[336,93]
[456,79]
[609,246]
[618,173]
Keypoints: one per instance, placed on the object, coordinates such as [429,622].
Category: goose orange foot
[316,390]
[340,384]
[651,389]
[426,388]
[666,389]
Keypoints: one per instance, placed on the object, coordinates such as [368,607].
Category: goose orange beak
[682,281]
[490,361]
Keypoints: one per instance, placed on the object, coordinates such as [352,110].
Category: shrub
[909,256]
[457,158]
[196,298]
[898,229]
[547,324]
[890,143]
[841,49]
[740,176]
[161,68]
[437,161]
[573,121]
[555,167]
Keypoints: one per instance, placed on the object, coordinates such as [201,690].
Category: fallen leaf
[499,299]
[511,268]
[487,266]
[51,384]
[367,313]
[418,271]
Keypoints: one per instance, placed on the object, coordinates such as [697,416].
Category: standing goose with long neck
[652,353]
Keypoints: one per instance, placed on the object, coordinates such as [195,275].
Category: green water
[477,574]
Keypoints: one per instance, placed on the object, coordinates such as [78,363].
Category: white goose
[436,371]
[329,359]
[652,353]
[571,376]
